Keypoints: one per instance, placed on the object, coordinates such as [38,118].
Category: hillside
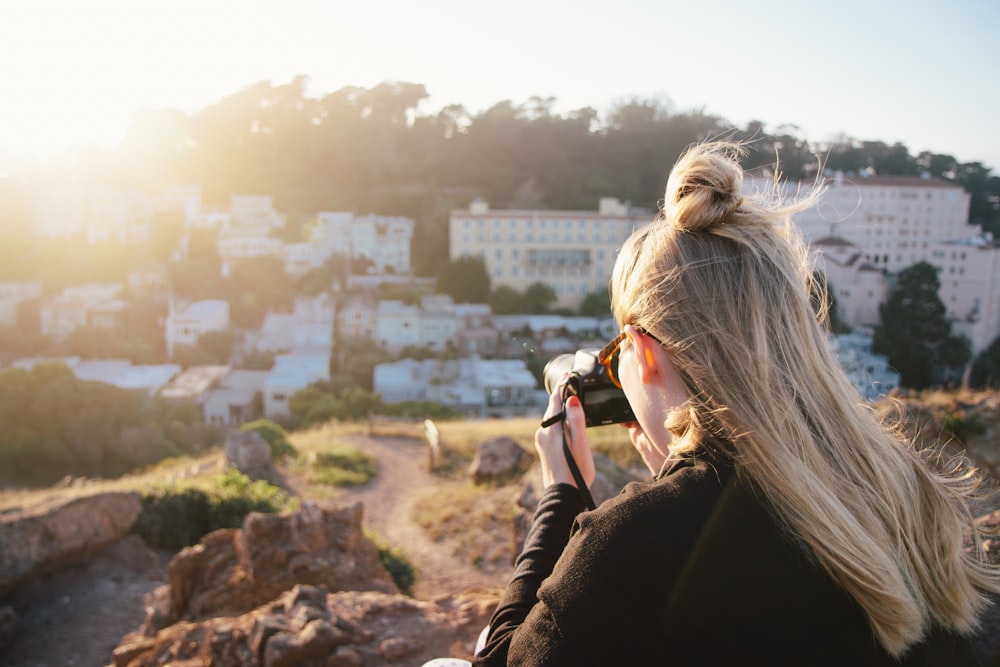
[458,536]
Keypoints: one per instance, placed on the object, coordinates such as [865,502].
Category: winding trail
[389,500]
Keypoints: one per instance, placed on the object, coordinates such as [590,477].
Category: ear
[646,354]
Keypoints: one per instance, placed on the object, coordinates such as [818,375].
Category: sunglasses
[612,352]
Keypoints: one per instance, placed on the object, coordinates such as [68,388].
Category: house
[383,241]
[397,325]
[357,318]
[12,295]
[476,333]
[308,327]
[292,373]
[72,308]
[474,386]
[237,399]
[147,379]
[198,318]
[438,322]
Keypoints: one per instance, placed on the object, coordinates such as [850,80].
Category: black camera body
[603,402]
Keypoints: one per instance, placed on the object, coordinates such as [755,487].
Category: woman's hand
[548,442]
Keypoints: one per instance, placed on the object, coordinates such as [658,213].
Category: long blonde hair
[721,278]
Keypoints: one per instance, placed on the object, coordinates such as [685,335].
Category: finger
[555,403]
[576,420]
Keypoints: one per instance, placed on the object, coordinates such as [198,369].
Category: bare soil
[77,615]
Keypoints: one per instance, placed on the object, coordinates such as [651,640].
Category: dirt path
[389,499]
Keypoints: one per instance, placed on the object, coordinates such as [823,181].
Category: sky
[75,72]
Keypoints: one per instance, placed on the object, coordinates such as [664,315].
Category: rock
[495,458]
[345,629]
[232,571]
[249,453]
[40,539]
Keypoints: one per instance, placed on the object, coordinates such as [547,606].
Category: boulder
[308,626]
[249,453]
[39,539]
[232,571]
[495,458]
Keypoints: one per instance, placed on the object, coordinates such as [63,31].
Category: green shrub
[175,516]
[342,466]
[274,435]
[396,563]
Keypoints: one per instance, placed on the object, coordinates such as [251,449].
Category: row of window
[543,223]
[543,237]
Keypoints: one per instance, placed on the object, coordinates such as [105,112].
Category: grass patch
[178,515]
[341,465]
[394,560]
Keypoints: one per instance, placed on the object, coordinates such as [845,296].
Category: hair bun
[704,187]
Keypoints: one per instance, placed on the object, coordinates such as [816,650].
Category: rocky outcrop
[496,458]
[233,571]
[249,453]
[41,538]
[309,626]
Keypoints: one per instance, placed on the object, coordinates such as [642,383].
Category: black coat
[687,570]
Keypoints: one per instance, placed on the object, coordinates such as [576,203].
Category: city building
[397,325]
[236,400]
[200,317]
[146,379]
[472,386]
[868,228]
[357,318]
[291,373]
[572,251]
[308,327]
[193,384]
[72,308]
[868,372]
[12,295]
[384,241]
[438,322]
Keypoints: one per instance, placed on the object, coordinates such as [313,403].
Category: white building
[123,374]
[383,240]
[572,251]
[857,286]
[308,327]
[12,294]
[198,318]
[252,215]
[439,323]
[470,385]
[73,307]
[357,318]
[192,385]
[99,216]
[237,399]
[291,373]
[866,226]
[397,325]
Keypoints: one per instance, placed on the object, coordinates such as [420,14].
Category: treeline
[53,424]
[373,150]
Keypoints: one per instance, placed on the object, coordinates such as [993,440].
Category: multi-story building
[198,318]
[383,240]
[894,220]
[478,387]
[292,373]
[572,251]
[866,227]
[74,307]
[12,294]
[308,327]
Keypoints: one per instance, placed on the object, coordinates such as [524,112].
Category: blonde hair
[723,281]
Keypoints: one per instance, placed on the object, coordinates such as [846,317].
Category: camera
[603,402]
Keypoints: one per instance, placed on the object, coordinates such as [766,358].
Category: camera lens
[556,369]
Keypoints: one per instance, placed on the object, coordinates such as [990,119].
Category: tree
[596,304]
[539,298]
[465,279]
[914,332]
[506,300]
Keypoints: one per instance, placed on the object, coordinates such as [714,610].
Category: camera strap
[581,486]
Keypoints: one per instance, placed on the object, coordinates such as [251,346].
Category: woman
[784,524]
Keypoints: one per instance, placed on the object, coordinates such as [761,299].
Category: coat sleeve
[547,537]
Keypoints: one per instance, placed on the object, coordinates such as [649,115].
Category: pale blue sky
[924,73]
